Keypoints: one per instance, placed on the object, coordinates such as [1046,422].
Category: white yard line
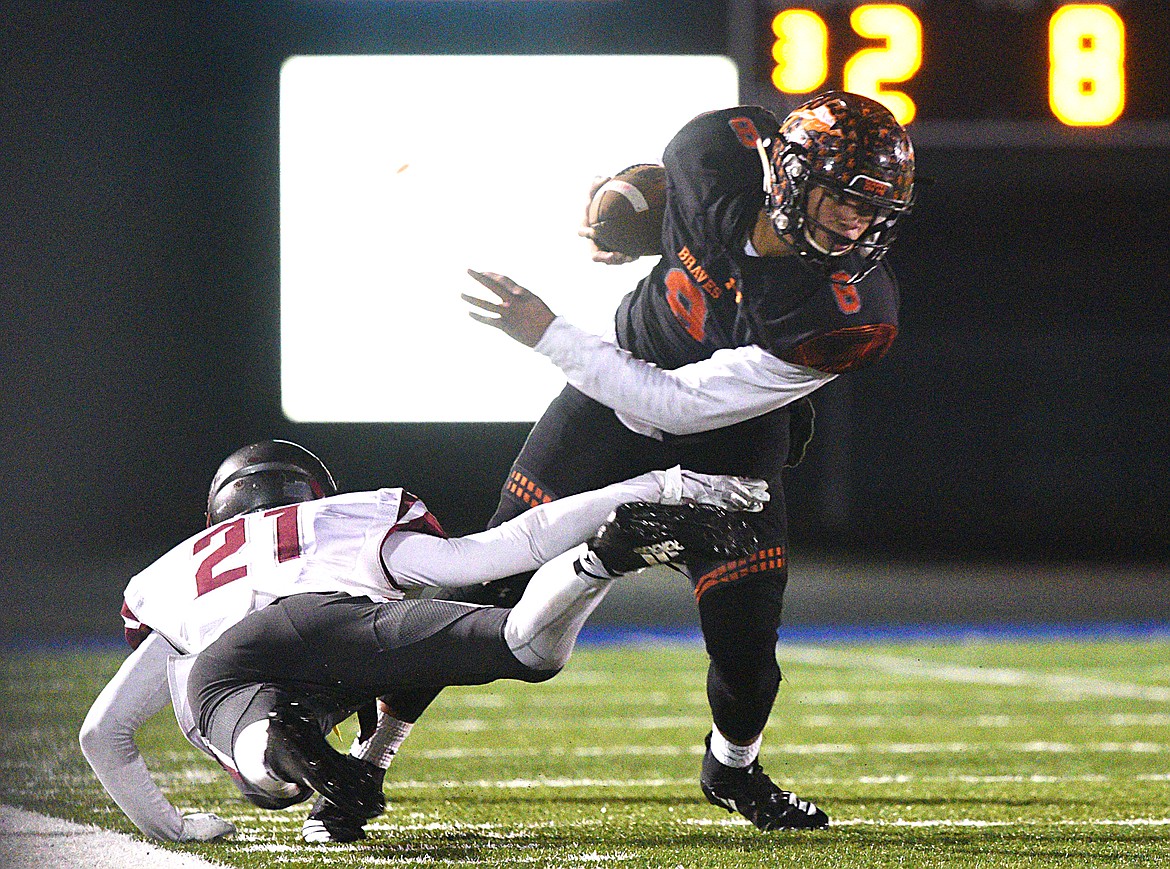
[915,668]
[644,722]
[32,841]
[801,749]
[815,781]
[948,822]
[973,822]
[817,721]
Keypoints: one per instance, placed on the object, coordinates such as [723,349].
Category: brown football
[626,212]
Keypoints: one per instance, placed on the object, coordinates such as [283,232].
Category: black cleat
[297,751]
[750,792]
[327,823]
[640,534]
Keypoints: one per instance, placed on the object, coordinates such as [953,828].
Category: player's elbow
[693,422]
[91,737]
[689,413]
[98,737]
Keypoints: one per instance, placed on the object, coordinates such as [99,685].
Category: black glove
[801,424]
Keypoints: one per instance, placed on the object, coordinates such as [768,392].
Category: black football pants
[579,445]
[336,653]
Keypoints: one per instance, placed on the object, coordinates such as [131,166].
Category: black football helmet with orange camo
[264,475]
[852,146]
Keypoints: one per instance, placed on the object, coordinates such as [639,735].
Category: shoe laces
[761,789]
[759,784]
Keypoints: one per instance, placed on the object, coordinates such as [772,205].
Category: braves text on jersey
[707,292]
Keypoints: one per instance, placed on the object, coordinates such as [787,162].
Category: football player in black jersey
[772,282]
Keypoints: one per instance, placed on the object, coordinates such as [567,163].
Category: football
[626,211]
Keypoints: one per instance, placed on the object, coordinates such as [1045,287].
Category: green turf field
[979,754]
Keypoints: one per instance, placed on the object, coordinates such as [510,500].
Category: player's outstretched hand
[588,230]
[205,827]
[519,313]
[730,493]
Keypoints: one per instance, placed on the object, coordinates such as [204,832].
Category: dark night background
[1022,415]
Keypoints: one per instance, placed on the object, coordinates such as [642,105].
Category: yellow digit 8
[1086,65]
[801,51]
[896,61]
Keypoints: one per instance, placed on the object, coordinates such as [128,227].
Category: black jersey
[707,293]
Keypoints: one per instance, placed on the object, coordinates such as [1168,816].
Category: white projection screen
[398,173]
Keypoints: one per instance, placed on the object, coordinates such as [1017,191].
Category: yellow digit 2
[1086,64]
[801,51]
[896,61]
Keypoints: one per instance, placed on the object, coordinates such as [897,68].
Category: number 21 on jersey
[229,538]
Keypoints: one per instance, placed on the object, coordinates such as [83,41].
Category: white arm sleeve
[520,544]
[730,387]
[136,693]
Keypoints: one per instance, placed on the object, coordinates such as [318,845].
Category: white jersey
[211,581]
[348,543]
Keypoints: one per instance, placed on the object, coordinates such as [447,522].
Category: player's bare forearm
[519,313]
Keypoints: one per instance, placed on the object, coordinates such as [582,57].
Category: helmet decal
[867,186]
[818,119]
[745,131]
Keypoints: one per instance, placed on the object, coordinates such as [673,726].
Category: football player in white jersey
[209,621]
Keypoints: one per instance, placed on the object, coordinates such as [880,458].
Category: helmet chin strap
[769,178]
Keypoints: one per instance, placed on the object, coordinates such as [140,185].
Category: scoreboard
[965,64]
